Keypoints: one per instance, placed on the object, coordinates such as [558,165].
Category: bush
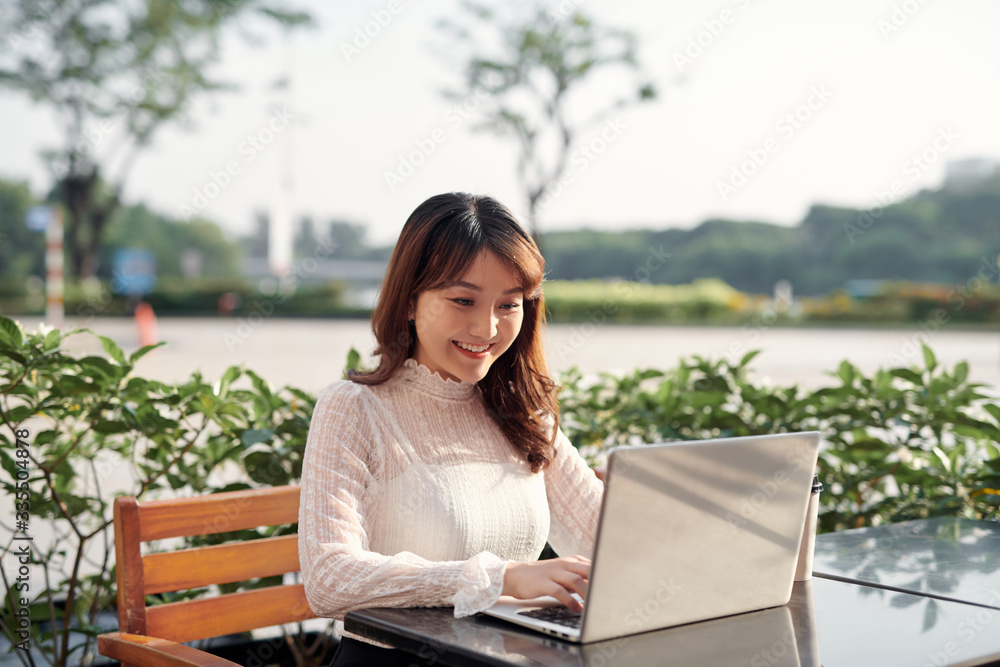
[903,443]
[73,427]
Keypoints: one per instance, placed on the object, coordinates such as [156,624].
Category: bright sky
[873,83]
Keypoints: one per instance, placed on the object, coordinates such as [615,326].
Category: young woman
[437,478]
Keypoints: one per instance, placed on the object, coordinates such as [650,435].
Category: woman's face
[464,328]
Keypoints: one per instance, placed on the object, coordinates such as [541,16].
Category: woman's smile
[466,326]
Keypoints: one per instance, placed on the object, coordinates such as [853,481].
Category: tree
[524,88]
[22,251]
[114,71]
[137,226]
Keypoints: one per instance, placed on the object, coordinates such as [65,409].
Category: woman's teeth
[472,348]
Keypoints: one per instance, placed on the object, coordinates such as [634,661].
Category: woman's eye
[463,302]
[511,306]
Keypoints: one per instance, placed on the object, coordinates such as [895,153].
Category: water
[310,353]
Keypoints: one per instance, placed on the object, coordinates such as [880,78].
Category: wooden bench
[154,635]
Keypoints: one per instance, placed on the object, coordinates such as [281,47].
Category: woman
[437,478]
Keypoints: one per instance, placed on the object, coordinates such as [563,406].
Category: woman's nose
[484,325]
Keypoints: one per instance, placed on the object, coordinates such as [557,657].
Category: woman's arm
[574,494]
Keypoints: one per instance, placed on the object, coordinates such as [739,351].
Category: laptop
[688,531]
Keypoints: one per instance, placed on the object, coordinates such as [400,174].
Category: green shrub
[903,443]
[86,424]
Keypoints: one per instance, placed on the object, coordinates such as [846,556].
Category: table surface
[828,622]
[945,558]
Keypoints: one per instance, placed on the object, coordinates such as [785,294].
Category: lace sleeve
[574,494]
[339,571]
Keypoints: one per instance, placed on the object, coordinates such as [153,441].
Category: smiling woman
[437,478]
[462,329]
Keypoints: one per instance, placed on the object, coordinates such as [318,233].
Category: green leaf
[907,374]
[945,461]
[748,357]
[18,414]
[105,426]
[112,349]
[143,351]
[846,372]
[961,372]
[101,364]
[930,361]
[221,387]
[10,332]
[994,410]
[251,437]
[353,361]
[992,450]
[266,467]
[16,356]
[52,340]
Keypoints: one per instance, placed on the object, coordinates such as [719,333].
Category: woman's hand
[558,577]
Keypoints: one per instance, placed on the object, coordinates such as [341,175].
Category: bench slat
[128,569]
[218,513]
[226,614]
[220,564]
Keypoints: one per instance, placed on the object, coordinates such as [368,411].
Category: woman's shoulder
[345,395]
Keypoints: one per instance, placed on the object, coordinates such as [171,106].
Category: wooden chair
[154,635]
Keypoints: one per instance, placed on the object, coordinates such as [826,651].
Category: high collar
[424,380]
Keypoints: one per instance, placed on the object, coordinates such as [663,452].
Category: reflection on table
[833,623]
[946,558]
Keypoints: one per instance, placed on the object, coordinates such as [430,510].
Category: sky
[765,107]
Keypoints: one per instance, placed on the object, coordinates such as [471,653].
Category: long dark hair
[439,242]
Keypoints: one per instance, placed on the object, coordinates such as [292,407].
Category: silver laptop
[688,531]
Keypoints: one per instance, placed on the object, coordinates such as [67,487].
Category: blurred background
[817,182]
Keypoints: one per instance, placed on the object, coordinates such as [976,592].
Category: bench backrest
[141,575]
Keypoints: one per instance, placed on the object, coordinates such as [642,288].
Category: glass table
[893,596]
[944,558]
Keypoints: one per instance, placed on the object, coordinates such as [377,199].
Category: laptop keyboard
[560,615]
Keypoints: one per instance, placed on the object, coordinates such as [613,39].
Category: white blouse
[413,497]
